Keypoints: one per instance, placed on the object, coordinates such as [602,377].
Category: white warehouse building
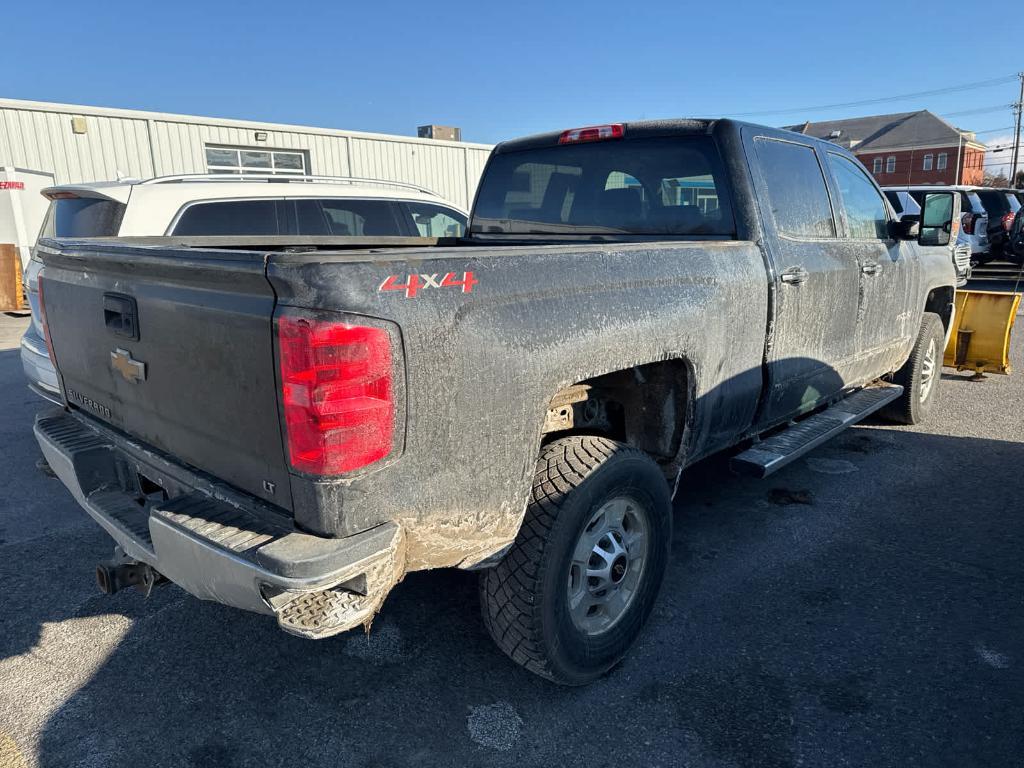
[81,144]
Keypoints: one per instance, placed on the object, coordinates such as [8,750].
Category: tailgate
[174,347]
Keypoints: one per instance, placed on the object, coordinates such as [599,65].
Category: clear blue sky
[505,69]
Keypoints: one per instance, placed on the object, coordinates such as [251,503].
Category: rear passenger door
[816,279]
[888,270]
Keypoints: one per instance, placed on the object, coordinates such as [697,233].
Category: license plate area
[144,485]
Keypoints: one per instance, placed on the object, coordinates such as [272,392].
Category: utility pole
[1017,108]
[959,154]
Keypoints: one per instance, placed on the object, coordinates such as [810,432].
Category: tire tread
[510,614]
[906,409]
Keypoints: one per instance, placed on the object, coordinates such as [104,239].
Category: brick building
[906,148]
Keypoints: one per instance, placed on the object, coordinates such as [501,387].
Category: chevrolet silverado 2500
[289,426]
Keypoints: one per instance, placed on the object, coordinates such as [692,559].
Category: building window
[927,164]
[890,164]
[876,166]
[240,160]
[942,161]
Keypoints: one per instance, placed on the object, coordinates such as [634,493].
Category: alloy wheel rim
[928,371]
[608,564]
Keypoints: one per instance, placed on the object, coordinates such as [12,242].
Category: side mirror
[907,228]
[938,213]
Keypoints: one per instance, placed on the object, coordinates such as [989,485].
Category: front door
[812,338]
[889,272]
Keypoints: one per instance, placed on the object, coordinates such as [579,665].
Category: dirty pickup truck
[289,427]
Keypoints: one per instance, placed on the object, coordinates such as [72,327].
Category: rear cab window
[670,185]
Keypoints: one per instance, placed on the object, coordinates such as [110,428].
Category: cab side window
[797,192]
[866,216]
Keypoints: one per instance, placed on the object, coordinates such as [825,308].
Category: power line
[909,144]
[1001,162]
[979,110]
[860,148]
[993,130]
[866,102]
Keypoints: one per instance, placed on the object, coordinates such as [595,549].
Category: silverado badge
[133,370]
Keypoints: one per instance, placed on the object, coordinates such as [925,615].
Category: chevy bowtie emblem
[133,371]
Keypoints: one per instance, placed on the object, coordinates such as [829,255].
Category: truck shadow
[794,621]
[197,684]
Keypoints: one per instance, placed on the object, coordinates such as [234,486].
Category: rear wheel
[573,593]
[920,375]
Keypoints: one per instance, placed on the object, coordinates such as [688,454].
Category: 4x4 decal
[419,282]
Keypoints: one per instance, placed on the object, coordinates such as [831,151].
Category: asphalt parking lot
[863,607]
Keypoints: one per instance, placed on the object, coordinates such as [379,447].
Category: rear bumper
[35,361]
[214,542]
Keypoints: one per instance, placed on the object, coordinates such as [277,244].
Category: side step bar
[777,451]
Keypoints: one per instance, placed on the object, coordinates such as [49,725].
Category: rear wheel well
[940,301]
[646,406]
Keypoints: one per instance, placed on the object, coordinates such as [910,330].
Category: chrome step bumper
[214,542]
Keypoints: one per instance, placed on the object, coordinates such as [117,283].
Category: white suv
[260,206]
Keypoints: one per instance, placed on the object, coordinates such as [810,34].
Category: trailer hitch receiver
[119,572]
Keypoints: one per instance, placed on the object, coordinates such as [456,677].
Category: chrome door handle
[794,276]
[871,268]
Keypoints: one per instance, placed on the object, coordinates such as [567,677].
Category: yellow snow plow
[980,339]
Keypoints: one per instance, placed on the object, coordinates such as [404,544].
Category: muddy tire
[573,593]
[920,375]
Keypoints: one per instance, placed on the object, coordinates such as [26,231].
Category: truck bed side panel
[483,364]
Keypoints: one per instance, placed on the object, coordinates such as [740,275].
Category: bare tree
[988,180]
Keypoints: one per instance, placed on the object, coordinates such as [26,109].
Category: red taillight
[968,222]
[339,406]
[1008,221]
[42,321]
[592,133]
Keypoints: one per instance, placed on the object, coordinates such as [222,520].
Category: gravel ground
[863,607]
